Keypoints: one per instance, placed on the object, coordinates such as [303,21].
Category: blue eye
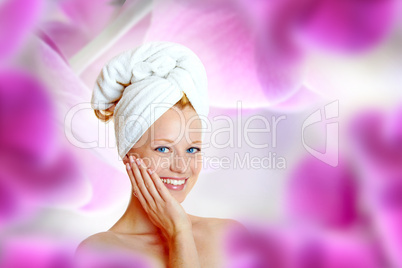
[192,151]
[161,149]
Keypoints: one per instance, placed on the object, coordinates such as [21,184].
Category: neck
[135,220]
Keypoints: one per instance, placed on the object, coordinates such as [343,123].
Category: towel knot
[161,67]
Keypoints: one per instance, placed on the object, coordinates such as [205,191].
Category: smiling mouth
[176,184]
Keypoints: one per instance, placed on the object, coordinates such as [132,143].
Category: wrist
[179,234]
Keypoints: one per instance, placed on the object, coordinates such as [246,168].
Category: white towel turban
[148,81]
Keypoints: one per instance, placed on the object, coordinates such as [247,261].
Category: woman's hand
[163,210]
[165,213]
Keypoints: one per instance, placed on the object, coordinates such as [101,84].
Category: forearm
[182,251]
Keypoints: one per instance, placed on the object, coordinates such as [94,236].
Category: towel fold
[146,82]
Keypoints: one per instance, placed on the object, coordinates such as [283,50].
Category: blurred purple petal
[56,182]
[388,224]
[377,140]
[68,38]
[337,251]
[99,165]
[17,19]
[27,126]
[280,61]
[42,35]
[377,146]
[286,31]
[224,43]
[284,247]
[322,195]
[34,253]
[279,70]
[346,25]
[9,202]
[34,167]
[78,23]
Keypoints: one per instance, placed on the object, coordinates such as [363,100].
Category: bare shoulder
[105,250]
[98,241]
[212,237]
[217,226]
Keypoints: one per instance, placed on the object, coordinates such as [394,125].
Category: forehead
[177,123]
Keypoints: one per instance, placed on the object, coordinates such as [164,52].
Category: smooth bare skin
[155,224]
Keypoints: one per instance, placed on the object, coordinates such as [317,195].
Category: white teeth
[173,182]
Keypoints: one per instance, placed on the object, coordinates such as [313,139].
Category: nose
[178,164]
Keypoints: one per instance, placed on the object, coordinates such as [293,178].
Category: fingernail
[128,166]
[138,162]
[131,159]
[150,171]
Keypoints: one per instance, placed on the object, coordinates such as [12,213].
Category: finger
[135,186]
[149,182]
[140,182]
[160,186]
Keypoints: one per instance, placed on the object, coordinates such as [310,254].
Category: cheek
[196,165]
[159,164]
[151,161]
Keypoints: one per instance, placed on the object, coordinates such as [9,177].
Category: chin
[180,197]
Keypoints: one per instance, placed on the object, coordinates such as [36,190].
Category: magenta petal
[81,22]
[338,250]
[31,160]
[68,38]
[99,165]
[17,19]
[279,71]
[393,129]
[322,195]
[92,14]
[55,182]
[27,126]
[9,203]
[377,140]
[389,231]
[376,137]
[301,248]
[50,43]
[347,25]
[35,252]
[224,43]
[280,60]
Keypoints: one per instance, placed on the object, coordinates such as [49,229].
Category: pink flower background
[60,176]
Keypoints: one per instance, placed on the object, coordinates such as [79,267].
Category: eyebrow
[170,141]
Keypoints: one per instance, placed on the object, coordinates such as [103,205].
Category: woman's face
[172,147]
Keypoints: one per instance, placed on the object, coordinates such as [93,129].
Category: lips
[173,183]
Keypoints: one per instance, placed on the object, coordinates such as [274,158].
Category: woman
[163,85]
